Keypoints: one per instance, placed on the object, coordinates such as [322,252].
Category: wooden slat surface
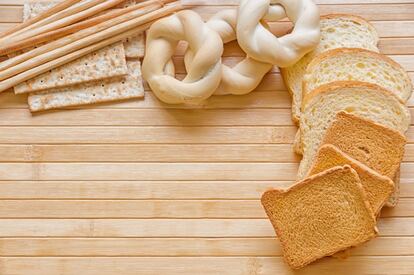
[201,265]
[146,209]
[141,187]
[149,190]
[164,228]
[170,247]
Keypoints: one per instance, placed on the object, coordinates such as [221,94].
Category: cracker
[105,63]
[135,46]
[126,87]
[32,8]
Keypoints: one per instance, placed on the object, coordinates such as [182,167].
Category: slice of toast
[357,65]
[377,187]
[376,146]
[337,31]
[365,100]
[320,216]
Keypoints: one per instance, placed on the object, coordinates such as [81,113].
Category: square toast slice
[377,146]
[320,216]
[377,187]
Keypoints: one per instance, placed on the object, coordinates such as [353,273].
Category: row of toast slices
[349,101]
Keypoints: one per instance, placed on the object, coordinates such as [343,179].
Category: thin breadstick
[59,7]
[74,9]
[64,55]
[53,35]
[136,10]
[59,33]
[65,21]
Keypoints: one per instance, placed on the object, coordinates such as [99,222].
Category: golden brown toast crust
[359,138]
[270,196]
[378,188]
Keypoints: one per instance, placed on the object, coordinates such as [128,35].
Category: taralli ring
[202,59]
[259,43]
[246,75]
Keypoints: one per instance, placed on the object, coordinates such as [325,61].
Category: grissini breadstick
[138,10]
[53,35]
[106,38]
[65,21]
[59,33]
[79,7]
[43,15]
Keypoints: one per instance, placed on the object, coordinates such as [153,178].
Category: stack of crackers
[109,74]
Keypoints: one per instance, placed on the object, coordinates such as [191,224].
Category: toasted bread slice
[358,65]
[320,216]
[377,187]
[366,100]
[337,31]
[376,146]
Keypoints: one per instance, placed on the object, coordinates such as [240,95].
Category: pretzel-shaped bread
[246,75]
[202,59]
[259,43]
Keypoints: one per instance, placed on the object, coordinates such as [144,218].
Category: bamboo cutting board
[140,187]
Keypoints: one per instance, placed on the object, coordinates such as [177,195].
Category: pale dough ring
[205,48]
[259,43]
[246,75]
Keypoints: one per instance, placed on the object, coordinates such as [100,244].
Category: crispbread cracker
[105,63]
[127,87]
[135,46]
[34,7]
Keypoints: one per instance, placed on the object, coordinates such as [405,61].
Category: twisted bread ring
[246,75]
[202,61]
[259,43]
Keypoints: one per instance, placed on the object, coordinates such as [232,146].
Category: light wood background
[140,187]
